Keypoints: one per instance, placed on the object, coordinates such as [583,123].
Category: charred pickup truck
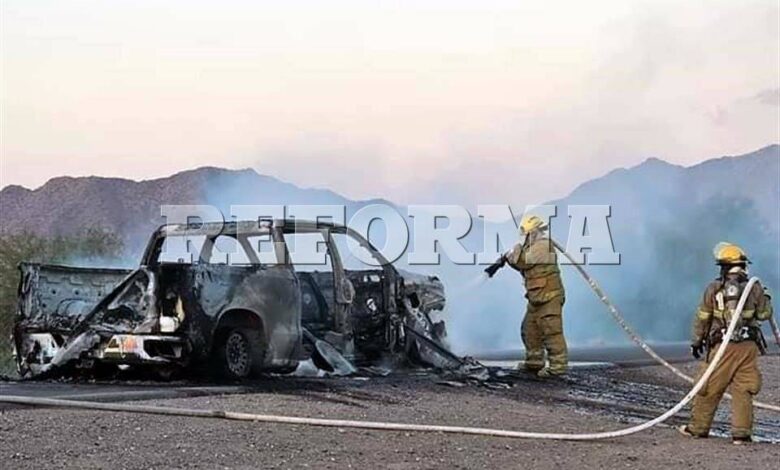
[233,311]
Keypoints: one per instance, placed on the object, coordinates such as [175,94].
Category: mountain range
[665,220]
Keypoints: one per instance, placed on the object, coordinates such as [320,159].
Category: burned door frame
[344,293]
[343,290]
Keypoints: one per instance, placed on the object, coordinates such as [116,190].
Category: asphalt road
[141,390]
[623,355]
[116,390]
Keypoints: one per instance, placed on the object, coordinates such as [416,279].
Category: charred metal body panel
[52,301]
[176,314]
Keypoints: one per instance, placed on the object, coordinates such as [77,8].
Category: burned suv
[239,306]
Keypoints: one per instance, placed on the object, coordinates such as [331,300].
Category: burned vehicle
[238,306]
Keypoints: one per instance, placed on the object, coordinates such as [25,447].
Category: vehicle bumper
[142,349]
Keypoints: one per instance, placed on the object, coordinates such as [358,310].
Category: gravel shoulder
[589,400]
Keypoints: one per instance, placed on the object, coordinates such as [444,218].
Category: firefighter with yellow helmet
[738,369]
[542,327]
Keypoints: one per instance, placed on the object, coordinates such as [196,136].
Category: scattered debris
[451,383]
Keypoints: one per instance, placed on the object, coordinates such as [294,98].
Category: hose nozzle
[493,268]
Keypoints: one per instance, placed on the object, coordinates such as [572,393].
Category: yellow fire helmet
[530,223]
[729,253]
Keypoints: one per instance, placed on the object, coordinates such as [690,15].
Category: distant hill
[754,176]
[665,221]
[66,205]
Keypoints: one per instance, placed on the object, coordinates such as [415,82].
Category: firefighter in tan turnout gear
[738,369]
[542,328]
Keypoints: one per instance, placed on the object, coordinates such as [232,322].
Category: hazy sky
[418,102]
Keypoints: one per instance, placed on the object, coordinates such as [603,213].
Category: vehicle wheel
[241,353]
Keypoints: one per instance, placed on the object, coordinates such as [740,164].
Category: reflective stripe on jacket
[714,314]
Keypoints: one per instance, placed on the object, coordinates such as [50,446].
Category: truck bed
[54,298]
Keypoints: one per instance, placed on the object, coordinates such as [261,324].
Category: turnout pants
[738,370]
[542,332]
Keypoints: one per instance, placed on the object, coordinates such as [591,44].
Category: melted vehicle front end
[423,331]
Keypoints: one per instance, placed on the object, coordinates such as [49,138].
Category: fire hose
[620,320]
[384,426]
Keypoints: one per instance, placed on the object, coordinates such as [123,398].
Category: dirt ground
[588,400]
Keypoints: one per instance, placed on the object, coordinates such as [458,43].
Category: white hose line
[338,423]
[775,329]
[620,320]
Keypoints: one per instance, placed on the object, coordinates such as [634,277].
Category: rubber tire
[254,354]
